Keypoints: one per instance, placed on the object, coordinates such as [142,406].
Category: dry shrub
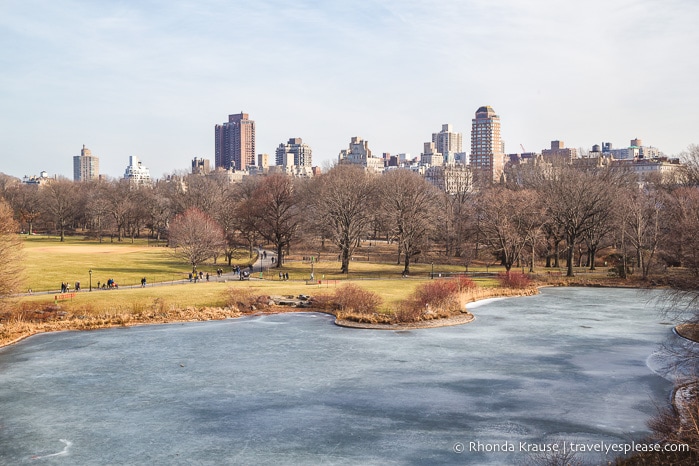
[435,299]
[375,318]
[515,280]
[675,425]
[160,306]
[355,299]
[324,302]
[32,312]
[407,313]
[240,299]
[245,301]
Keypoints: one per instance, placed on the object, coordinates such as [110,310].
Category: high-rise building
[430,156]
[86,167]
[294,153]
[235,142]
[487,158]
[447,143]
[136,172]
[359,153]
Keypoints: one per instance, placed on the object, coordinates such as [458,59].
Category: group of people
[65,287]
[283,275]
[194,276]
[110,284]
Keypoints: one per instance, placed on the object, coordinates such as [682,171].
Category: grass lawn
[48,262]
[214,294]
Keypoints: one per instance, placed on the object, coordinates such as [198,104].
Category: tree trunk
[280,255]
[344,268]
[569,257]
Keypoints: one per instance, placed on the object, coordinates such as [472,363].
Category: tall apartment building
[136,172]
[487,156]
[447,143]
[359,153]
[86,167]
[431,156]
[294,153]
[235,142]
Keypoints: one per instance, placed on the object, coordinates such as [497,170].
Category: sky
[151,78]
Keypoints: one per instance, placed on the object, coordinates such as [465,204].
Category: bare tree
[644,224]
[158,209]
[509,221]
[690,165]
[681,245]
[60,201]
[10,252]
[245,232]
[98,210]
[409,204]
[575,199]
[25,199]
[120,198]
[196,236]
[274,211]
[340,203]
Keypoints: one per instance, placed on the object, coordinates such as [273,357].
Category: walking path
[260,265]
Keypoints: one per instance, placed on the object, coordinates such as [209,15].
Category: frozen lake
[578,364]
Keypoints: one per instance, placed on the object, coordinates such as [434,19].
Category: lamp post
[90,272]
[432,274]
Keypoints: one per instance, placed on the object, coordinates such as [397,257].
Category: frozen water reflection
[568,364]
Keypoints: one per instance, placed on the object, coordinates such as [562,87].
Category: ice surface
[295,389]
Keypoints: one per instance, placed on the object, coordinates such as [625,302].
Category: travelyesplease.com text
[569,447]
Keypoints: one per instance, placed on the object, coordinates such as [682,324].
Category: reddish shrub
[408,313]
[514,280]
[436,293]
[436,296]
[465,283]
[352,298]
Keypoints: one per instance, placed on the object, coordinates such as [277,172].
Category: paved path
[261,264]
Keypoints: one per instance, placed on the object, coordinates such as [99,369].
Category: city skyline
[152,79]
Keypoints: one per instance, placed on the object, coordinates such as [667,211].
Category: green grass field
[48,262]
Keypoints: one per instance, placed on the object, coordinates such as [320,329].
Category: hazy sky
[151,78]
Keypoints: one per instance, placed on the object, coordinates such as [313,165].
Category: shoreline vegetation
[55,319]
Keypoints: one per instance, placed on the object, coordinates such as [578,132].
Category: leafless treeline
[553,217]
